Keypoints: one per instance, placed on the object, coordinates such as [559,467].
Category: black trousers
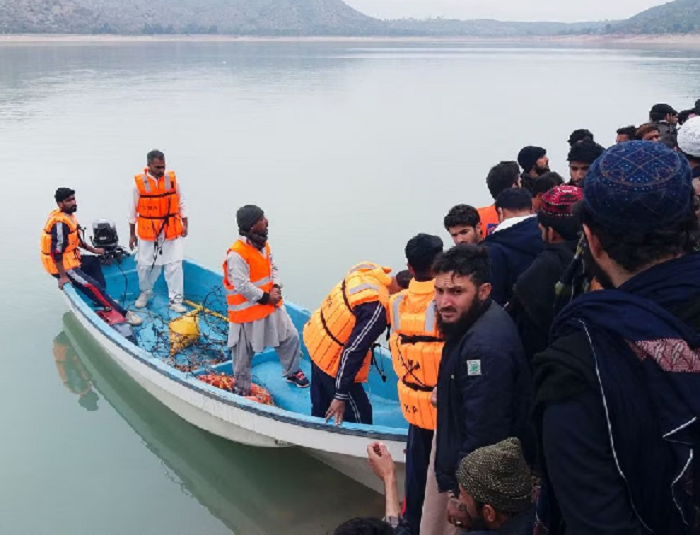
[417,462]
[89,280]
[358,409]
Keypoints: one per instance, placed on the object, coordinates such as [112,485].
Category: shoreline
[692,40]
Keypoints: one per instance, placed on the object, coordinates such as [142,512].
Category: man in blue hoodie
[514,244]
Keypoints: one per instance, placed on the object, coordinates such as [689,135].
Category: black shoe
[298,379]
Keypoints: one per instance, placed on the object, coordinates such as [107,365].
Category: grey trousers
[434,520]
[289,353]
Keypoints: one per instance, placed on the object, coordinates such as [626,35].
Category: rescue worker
[61,242]
[340,337]
[158,222]
[416,348]
[256,316]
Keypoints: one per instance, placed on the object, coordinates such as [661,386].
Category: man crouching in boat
[340,336]
[61,242]
[256,316]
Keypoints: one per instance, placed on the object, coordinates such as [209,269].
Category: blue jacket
[512,251]
[484,393]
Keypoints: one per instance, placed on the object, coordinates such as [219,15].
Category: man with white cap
[689,145]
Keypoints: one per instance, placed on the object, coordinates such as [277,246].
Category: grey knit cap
[498,476]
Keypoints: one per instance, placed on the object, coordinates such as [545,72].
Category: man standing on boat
[416,349]
[61,242]
[256,316]
[158,223]
[340,337]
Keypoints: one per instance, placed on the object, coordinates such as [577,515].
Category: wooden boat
[174,379]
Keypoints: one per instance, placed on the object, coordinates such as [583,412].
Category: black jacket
[484,391]
[532,305]
[512,251]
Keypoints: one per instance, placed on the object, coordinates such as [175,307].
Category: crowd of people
[548,362]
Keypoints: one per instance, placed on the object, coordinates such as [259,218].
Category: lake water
[350,148]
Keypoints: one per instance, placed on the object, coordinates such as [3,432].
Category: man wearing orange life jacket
[416,349]
[61,242]
[256,316]
[501,177]
[73,374]
[340,337]
[158,223]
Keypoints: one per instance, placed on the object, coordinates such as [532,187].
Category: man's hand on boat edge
[337,411]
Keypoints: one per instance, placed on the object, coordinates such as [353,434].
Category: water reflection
[252,491]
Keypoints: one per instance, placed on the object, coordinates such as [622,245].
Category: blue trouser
[89,280]
[418,448]
[358,409]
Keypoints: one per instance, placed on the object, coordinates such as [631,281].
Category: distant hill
[299,18]
[681,16]
[247,17]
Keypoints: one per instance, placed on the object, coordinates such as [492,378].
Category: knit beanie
[639,186]
[689,137]
[247,216]
[557,210]
[527,157]
[498,476]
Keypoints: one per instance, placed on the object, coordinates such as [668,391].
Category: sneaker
[133,319]
[178,308]
[142,301]
[298,379]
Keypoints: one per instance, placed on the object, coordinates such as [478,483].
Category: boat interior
[195,342]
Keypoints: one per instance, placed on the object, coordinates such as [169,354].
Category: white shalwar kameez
[161,255]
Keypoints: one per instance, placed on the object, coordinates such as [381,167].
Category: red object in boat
[111,316]
[259,394]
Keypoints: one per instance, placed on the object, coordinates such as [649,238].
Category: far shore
[683,40]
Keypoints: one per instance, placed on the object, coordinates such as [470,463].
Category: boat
[174,379]
[237,484]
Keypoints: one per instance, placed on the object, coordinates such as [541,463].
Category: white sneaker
[133,319]
[178,308]
[142,301]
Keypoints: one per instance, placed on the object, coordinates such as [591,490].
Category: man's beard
[592,269]
[477,524]
[541,170]
[71,210]
[259,239]
[459,328]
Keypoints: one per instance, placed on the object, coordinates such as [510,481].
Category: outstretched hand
[380,461]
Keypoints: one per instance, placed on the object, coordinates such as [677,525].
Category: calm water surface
[350,149]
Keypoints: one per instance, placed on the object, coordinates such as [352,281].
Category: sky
[511,10]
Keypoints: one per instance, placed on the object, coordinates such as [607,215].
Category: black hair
[515,199]
[364,526]
[580,135]
[636,250]
[656,116]
[404,278]
[567,227]
[63,193]
[629,131]
[586,152]
[465,261]
[155,154]
[542,184]
[462,215]
[685,115]
[421,252]
[502,177]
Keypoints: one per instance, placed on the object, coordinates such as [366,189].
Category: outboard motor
[104,235]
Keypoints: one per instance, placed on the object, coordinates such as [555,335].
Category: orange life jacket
[240,310]
[416,350]
[489,219]
[329,328]
[158,209]
[71,254]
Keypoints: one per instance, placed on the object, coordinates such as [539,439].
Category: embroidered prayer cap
[639,186]
[498,475]
[689,137]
